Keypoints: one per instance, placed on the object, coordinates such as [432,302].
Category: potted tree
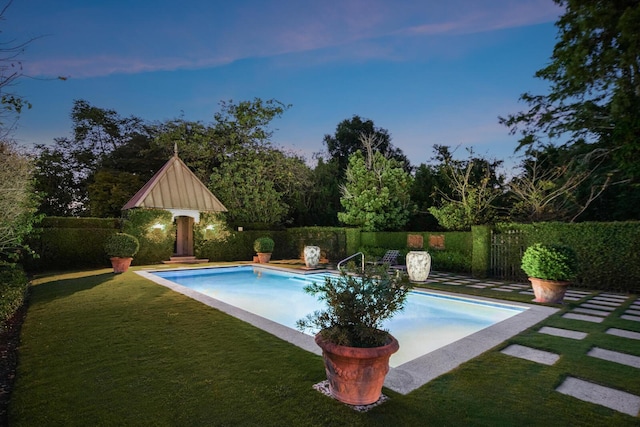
[120,248]
[550,269]
[264,247]
[355,348]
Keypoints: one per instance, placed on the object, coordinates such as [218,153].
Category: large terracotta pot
[264,257]
[418,265]
[311,256]
[356,375]
[119,264]
[549,291]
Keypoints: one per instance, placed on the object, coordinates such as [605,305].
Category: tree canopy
[593,102]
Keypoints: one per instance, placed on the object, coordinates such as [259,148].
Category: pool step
[185,260]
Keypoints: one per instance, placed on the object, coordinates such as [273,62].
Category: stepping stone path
[495,285]
[595,310]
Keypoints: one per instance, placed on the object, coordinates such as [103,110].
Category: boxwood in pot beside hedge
[550,268]
[121,248]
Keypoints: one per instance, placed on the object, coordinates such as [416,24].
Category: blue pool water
[429,321]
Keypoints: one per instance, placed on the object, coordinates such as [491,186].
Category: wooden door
[184,238]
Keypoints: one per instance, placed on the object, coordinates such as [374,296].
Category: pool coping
[406,377]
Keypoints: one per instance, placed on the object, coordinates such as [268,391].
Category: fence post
[481,250]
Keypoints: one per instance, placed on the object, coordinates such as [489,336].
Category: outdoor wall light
[158,226]
[210,227]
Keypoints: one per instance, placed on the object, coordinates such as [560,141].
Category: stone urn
[418,265]
[356,375]
[311,256]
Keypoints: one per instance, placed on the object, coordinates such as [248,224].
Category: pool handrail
[352,256]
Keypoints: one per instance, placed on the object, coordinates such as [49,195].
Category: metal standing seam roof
[174,186]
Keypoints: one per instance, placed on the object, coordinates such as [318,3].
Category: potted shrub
[264,247]
[550,269]
[120,248]
[355,348]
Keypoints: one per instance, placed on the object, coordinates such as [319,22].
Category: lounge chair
[390,259]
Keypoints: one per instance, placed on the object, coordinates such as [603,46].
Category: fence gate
[507,248]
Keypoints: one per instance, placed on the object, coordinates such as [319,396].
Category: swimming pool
[403,378]
[428,321]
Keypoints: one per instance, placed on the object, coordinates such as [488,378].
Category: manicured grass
[101,349]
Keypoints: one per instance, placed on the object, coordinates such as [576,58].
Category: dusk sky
[430,72]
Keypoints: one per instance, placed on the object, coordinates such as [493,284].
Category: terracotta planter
[549,291]
[264,257]
[418,265]
[119,264]
[356,375]
[311,256]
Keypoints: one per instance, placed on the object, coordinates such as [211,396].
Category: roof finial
[175,149]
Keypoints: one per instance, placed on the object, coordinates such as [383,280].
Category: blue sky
[430,71]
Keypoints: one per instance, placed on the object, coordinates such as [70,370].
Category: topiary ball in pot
[550,268]
[120,248]
[264,247]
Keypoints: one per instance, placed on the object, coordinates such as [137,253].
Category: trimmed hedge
[608,255]
[14,286]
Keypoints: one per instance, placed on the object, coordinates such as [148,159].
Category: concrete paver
[565,333]
[604,302]
[623,333]
[597,306]
[629,317]
[614,356]
[584,317]
[617,400]
[532,354]
[591,311]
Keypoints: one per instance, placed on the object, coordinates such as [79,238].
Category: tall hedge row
[608,254]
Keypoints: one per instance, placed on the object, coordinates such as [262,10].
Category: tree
[594,96]
[11,103]
[551,187]
[67,169]
[244,185]
[347,140]
[376,193]
[472,187]
[17,200]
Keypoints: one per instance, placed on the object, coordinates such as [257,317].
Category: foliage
[550,262]
[556,184]
[121,245]
[259,185]
[376,193]
[66,169]
[346,141]
[473,187]
[155,230]
[14,286]
[17,201]
[263,245]
[111,190]
[593,104]
[11,103]
[357,305]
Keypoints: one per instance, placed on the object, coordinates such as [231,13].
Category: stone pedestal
[418,265]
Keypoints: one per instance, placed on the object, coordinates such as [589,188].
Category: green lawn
[104,349]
